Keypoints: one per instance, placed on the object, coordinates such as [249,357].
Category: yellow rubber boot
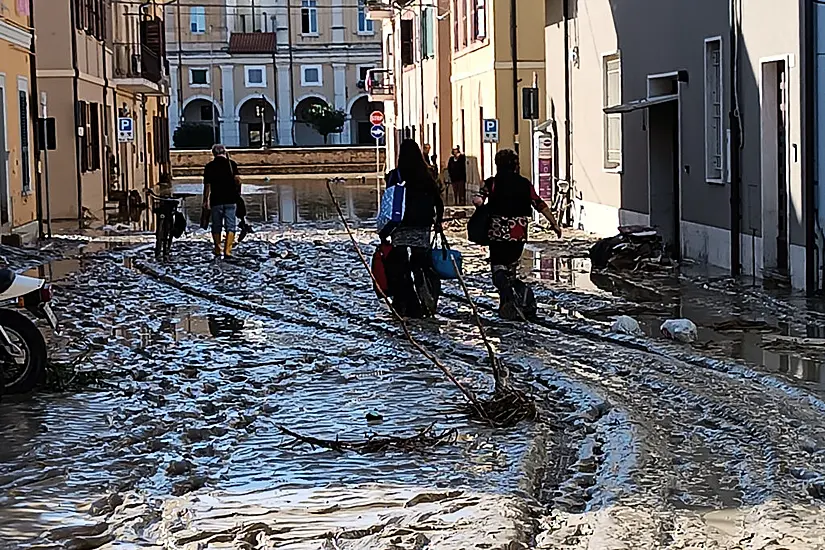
[230,240]
[216,240]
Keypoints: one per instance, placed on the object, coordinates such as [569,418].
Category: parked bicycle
[562,206]
[170,223]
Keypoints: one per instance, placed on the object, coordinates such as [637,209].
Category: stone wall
[270,162]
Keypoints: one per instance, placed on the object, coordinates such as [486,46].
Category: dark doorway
[782,171]
[663,176]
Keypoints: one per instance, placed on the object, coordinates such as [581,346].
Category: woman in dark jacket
[511,199]
[412,280]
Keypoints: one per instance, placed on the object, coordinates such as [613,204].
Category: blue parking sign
[125,129]
[490,130]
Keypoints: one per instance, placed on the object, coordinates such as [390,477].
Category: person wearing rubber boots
[221,191]
[511,199]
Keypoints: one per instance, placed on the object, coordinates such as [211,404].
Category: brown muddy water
[641,443]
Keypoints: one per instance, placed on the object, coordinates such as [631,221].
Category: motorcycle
[23,352]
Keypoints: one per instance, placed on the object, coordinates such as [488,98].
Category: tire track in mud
[727,456]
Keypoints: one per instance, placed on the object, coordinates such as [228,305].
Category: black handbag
[478,226]
[206,217]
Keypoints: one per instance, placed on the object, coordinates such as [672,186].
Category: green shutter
[427,32]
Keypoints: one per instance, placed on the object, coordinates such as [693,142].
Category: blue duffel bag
[442,259]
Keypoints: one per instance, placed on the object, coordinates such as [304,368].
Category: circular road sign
[376,117]
[377,131]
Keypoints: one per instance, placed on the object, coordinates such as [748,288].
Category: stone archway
[250,114]
[304,133]
[197,112]
[360,125]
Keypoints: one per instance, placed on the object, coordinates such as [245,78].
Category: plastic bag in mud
[626,325]
[681,330]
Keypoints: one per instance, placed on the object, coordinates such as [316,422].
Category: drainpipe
[291,68]
[275,137]
[145,143]
[34,109]
[106,135]
[76,117]
[810,122]
[735,146]
[514,55]
[568,147]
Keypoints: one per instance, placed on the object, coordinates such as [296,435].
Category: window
[256,77]
[90,16]
[309,16]
[365,26]
[88,117]
[94,137]
[311,75]
[407,42]
[714,125]
[427,32]
[199,77]
[363,72]
[197,19]
[463,12]
[24,141]
[82,125]
[612,123]
[479,20]
[207,113]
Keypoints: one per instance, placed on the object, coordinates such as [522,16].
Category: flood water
[191,369]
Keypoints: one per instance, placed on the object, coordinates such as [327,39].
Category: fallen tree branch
[469,395]
[375,443]
[498,375]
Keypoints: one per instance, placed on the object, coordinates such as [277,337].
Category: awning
[640,104]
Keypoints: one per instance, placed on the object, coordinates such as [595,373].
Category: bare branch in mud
[374,443]
[494,363]
[469,395]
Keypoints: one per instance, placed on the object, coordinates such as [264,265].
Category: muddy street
[168,433]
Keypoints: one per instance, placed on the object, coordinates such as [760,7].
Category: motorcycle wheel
[25,374]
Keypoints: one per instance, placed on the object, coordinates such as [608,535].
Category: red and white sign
[376,118]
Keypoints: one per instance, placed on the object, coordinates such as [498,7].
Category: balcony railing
[380,85]
[136,61]
[380,9]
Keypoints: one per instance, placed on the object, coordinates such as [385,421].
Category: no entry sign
[376,117]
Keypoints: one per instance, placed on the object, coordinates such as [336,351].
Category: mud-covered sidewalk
[182,374]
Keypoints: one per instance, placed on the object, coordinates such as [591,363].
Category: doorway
[5,193]
[663,174]
[775,163]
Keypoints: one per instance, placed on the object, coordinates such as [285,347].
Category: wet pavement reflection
[197,363]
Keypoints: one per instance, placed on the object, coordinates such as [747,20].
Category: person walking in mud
[221,193]
[414,284]
[510,199]
[457,170]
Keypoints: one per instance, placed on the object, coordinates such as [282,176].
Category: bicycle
[562,206]
[166,212]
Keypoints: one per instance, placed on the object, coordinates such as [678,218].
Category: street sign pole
[44,104]
[377,132]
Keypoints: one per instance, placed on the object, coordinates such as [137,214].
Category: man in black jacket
[457,169]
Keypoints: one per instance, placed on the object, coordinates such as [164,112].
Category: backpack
[393,204]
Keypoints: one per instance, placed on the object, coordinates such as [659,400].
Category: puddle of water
[301,200]
[571,272]
[56,270]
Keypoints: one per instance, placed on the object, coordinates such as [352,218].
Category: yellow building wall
[15,68]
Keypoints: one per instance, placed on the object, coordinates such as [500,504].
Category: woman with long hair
[414,284]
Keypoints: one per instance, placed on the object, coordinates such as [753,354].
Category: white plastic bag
[682,330]
[626,325]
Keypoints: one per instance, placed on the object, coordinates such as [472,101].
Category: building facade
[105,64]
[475,45]
[18,197]
[247,71]
[675,121]
[418,104]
